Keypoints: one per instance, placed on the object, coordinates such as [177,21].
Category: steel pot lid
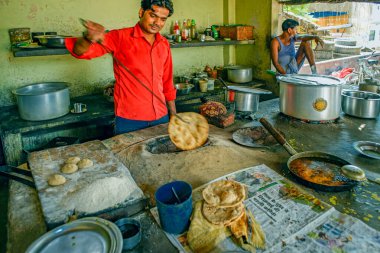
[90,234]
[312,80]
[249,90]
[40,88]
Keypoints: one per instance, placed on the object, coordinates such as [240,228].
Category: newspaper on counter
[293,221]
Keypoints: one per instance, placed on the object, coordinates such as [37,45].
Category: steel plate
[368,148]
[91,234]
[256,137]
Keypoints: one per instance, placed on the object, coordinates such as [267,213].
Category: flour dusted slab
[105,186]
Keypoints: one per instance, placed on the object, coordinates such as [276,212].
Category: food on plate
[56,180]
[224,193]
[69,168]
[188,131]
[221,215]
[85,163]
[72,160]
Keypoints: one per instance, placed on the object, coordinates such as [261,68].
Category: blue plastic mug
[174,215]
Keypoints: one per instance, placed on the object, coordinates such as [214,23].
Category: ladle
[176,196]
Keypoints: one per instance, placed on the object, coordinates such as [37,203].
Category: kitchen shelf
[43,51]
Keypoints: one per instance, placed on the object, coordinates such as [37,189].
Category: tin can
[178,38]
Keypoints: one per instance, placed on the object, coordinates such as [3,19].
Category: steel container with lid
[310,97]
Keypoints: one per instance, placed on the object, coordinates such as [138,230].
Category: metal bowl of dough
[53,41]
[84,235]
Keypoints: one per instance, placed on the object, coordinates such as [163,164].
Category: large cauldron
[43,101]
[310,97]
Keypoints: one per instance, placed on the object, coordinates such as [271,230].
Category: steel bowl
[183,88]
[239,74]
[361,104]
[53,41]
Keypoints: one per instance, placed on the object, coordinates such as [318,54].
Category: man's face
[292,31]
[152,21]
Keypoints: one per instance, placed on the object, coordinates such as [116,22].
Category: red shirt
[152,64]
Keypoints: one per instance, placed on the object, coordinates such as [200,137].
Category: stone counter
[336,138]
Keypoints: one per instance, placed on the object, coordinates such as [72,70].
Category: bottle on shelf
[193,30]
[184,32]
[176,29]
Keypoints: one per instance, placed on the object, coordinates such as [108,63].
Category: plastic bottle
[184,30]
[176,29]
[193,29]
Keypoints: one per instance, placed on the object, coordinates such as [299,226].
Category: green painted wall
[87,77]
[258,14]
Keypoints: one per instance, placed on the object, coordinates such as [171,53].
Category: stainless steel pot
[310,97]
[246,99]
[361,104]
[43,101]
[239,74]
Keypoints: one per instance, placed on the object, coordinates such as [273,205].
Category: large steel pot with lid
[43,101]
[310,97]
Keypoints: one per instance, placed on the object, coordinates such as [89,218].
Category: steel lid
[92,235]
[313,80]
[247,89]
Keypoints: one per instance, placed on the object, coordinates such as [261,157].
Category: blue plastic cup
[174,215]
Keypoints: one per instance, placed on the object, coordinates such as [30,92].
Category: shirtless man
[283,53]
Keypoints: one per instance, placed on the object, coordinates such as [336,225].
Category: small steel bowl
[131,232]
[183,88]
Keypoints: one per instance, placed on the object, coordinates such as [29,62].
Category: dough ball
[56,180]
[85,163]
[69,168]
[73,160]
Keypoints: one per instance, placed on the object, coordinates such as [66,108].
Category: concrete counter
[26,224]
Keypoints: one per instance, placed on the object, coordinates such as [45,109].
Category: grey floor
[3,213]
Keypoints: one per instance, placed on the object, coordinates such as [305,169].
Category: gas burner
[334,121]
[244,115]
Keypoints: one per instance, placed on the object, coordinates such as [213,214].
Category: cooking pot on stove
[43,101]
[310,97]
[246,99]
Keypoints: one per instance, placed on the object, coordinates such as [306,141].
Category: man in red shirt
[147,55]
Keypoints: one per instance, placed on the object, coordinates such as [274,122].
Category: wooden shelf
[43,51]
[197,43]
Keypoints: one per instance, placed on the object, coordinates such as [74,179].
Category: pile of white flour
[103,193]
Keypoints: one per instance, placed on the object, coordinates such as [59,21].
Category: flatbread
[224,193]
[190,134]
[239,227]
[221,215]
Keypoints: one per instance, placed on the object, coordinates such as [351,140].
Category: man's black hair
[289,23]
[168,4]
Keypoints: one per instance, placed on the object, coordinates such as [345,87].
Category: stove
[293,119]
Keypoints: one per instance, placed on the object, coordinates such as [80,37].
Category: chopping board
[105,186]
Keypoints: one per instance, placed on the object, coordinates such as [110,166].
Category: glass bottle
[193,29]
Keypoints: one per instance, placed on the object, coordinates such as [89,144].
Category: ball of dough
[69,168]
[56,180]
[85,163]
[73,160]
